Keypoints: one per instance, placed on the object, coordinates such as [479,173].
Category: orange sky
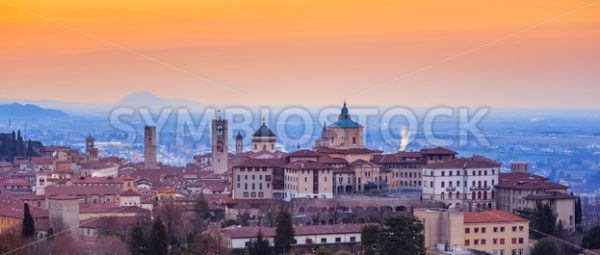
[304,52]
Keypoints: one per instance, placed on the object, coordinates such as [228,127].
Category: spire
[264,121]
[219,115]
[344,115]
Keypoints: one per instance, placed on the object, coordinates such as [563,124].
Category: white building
[462,182]
[239,237]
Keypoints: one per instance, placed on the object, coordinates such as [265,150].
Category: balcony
[480,188]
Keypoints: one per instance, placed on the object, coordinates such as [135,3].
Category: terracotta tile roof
[235,232]
[13,208]
[343,170]
[252,162]
[326,159]
[82,190]
[130,193]
[97,180]
[438,151]
[99,222]
[303,153]
[550,196]
[492,216]
[473,162]
[526,181]
[307,165]
[327,150]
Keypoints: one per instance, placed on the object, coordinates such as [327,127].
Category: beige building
[253,179]
[442,227]
[492,231]
[307,179]
[521,190]
[496,232]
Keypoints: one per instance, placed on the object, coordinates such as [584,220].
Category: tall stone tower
[63,214]
[150,147]
[90,148]
[219,145]
[239,143]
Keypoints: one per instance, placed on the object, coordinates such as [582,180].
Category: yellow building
[493,231]
[496,232]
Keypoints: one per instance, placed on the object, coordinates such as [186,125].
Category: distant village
[223,200]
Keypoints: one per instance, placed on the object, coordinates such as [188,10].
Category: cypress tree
[259,246]
[28,228]
[158,239]
[137,241]
[284,232]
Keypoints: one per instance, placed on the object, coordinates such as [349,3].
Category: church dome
[263,131]
[344,120]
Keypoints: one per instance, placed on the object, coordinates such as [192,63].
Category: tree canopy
[545,246]
[284,231]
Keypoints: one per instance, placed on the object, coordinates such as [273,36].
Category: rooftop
[492,216]
[528,181]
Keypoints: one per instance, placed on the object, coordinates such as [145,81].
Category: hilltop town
[332,194]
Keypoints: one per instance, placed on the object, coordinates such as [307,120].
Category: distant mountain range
[29,111]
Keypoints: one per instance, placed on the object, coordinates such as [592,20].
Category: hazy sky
[533,53]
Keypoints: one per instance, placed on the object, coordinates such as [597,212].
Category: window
[476,242]
[476,230]
[495,241]
[514,251]
[483,230]
[501,242]
[521,240]
[495,229]
[353,239]
[338,239]
[323,240]
[514,240]
[502,229]
[520,251]
[514,228]
[467,242]
[467,230]
[483,241]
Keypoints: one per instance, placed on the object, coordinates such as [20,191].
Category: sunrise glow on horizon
[418,53]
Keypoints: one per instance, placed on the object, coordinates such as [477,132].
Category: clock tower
[219,145]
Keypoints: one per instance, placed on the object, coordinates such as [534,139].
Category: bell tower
[239,143]
[219,145]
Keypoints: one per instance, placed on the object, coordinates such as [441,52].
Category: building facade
[150,147]
[219,145]
[463,182]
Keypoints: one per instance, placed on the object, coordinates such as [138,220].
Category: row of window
[457,172]
[495,241]
[406,175]
[260,177]
[254,194]
[256,169]
[514,252]
[494,229]
[260,185]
